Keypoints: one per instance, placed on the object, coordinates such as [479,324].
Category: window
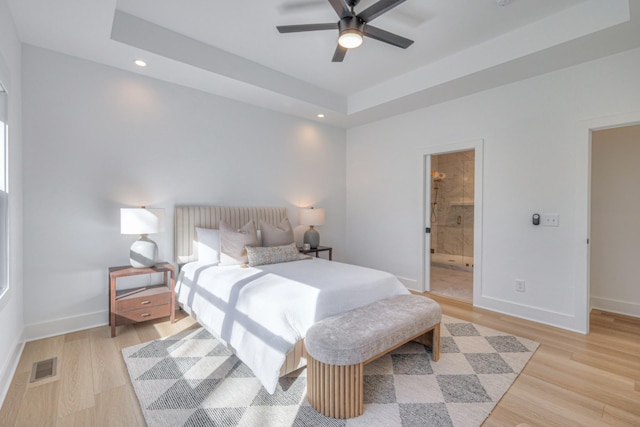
[4,194]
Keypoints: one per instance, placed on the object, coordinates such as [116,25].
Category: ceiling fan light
[350,38]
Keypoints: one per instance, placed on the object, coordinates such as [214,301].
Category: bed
[263,312]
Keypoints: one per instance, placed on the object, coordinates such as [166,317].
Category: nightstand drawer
[142,314]
[142,298]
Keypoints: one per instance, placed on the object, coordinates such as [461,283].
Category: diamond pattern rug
[192,380]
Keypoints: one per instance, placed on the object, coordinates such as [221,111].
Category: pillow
[273,254]
[232,242]
[208,245]
[276,236]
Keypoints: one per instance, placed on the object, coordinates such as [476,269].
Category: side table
[141,303]
[317,251]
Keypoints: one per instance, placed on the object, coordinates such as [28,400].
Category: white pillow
[208,245]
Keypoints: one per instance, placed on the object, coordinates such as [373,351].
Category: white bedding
[261,312]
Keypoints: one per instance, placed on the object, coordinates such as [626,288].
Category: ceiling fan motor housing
[351,23]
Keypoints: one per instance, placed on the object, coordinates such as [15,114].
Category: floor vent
[43,369]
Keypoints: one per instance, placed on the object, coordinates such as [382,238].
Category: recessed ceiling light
[140,63]
[320,116]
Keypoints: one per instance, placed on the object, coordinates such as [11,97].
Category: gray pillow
[276,236]
[273,254]
[233,242]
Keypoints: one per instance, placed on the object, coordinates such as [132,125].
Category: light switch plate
[550,220]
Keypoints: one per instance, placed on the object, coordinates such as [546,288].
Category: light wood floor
[452,283]
[572,380]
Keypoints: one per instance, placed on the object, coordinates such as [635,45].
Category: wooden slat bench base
[333,390]
[337,391]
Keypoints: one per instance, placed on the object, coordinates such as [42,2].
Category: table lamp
[311,217]
[142,221]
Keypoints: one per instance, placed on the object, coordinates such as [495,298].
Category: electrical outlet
[551,220]
[520,286]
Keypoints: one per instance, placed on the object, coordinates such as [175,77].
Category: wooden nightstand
[143,303]
[317,251]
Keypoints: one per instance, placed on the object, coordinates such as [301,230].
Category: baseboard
[535,314]
[36,331]
[9,370]
[615,306]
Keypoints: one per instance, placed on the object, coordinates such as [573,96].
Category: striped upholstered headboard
[187,218]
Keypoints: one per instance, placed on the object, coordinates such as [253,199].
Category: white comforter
[261,312]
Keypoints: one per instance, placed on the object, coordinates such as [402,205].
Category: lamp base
[143,253]
[312,237]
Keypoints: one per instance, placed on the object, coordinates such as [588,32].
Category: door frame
[425,197]
[582,250]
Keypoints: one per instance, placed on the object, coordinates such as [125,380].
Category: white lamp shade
[141,221]
[311,216]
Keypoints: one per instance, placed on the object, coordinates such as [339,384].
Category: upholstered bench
[338,348]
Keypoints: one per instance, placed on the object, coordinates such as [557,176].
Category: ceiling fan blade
[306,27]
[387,37]
[377,9]
[340,8]
[339,54]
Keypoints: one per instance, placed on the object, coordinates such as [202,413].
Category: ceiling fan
[353,27]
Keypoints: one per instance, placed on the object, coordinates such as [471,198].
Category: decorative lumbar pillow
[208,245]
[277,236]
[233,242]
[273,254]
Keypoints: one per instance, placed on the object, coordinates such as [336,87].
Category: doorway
[614,231]
[451,193]
[452,228]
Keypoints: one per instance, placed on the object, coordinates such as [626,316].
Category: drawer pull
[145,302]
[145,315]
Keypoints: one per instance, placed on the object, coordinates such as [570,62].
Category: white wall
[98,139]
[534,157]
[11,304]
[615,209]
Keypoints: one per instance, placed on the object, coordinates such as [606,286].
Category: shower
[451,224]
[452,208]
[436,177]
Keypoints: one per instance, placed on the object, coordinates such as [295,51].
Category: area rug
[192,380]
